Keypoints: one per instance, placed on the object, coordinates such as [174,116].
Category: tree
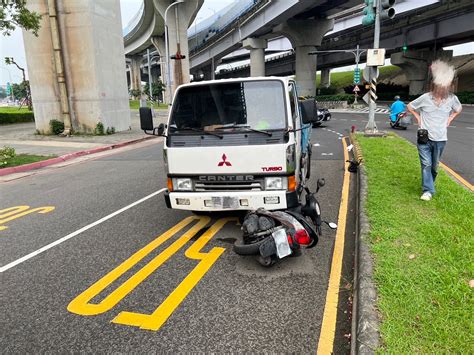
[156,89]
[25,85]
[13,14]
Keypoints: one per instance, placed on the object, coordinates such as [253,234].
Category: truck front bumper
[231,200]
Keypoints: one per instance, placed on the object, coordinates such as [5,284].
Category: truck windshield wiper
[196,130]
[247,127]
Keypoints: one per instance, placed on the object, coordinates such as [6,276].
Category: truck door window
[293,104]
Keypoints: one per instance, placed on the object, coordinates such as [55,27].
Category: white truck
[236,144]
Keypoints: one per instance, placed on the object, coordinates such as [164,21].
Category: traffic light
[356,76]
[404,48]
[369,12]
[386,9]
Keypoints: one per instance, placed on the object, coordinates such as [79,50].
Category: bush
[466,97]
[327,91]
[99,129]
[16,116]
[56,126]
[345,97]
[110,130]
[6,153]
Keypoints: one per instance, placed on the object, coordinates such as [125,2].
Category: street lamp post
[168,82]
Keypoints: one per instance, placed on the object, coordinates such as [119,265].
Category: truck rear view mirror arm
[146,123]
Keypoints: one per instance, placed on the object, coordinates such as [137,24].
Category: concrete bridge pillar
[305,36]
[135,75]
[159,44]
[178,20]
[325,78]
[415,65]
[257,55]
[76,65]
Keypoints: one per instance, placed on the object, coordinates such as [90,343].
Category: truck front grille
[228,185]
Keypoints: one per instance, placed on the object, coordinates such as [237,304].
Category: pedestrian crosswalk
[377,109]
[380,110]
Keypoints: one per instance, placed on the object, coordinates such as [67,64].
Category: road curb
[63,158]
[366,322]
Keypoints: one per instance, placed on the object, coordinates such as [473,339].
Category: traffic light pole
[357,52]
[371,126]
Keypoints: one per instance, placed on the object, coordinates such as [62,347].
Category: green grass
[22,159]
[340,80]
[423,252]
[135,105]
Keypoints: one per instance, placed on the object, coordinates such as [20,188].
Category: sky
[12,46]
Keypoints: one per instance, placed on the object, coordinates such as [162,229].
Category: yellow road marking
[457,176]
[155,320]
[81,305]
[328,327]
[11,213]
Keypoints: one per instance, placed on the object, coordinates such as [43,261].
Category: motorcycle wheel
[267,261]
[247,249]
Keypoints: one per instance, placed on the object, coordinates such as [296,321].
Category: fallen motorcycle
[274,235]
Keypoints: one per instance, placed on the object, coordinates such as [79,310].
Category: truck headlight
[182,184]
[276,183]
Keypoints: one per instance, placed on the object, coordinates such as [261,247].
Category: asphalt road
[459,151]
[226,303]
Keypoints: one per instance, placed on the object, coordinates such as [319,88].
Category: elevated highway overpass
[253,29]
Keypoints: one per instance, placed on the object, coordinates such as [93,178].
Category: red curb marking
[63,158]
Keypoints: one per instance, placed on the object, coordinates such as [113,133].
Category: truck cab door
[297,124]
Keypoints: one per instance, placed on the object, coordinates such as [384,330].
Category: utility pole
[371,126]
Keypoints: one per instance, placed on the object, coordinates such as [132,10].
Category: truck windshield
[253,104]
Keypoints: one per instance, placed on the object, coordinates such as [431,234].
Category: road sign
[366,98]
[356,76]
[356,88]
[371,72]
[9,89]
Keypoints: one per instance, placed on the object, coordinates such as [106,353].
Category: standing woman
[434,112]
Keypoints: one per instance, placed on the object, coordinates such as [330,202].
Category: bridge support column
[415,65]
[159,44]
[305,36]
[178,20]
[76,65]
[325,78]
[135,76]
[257,55]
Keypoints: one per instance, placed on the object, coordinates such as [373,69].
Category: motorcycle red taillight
[302,237]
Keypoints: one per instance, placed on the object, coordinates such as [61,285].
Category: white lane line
[470,127]
[453,127]
[316,145]
[354,120]
[326,154]
[343,119]
[73,234]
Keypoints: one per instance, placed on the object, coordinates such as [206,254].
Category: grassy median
[423,252]
[22,159]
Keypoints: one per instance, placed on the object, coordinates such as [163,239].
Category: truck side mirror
[146,119]
[309,111]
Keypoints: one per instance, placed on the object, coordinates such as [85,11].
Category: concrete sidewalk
[23,137]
